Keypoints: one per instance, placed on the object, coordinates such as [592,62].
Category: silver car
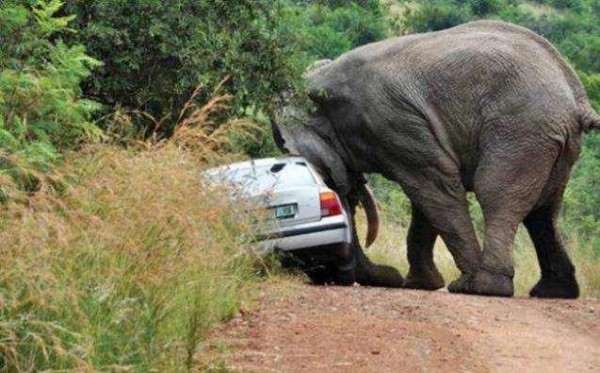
[305,220]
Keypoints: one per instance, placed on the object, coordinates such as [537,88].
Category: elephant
[486,107]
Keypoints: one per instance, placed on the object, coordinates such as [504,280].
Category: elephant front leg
[423,273]
[443,203]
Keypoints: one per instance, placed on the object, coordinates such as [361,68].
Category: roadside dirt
[303,328]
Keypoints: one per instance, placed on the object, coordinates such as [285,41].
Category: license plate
[286,211]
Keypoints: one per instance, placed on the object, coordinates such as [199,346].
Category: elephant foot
[461,284]
[430,280]
[483,283]
[371,274]
[379,275]
[344,277]
[549,287]
[331,276]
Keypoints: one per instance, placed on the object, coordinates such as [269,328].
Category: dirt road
[303,328]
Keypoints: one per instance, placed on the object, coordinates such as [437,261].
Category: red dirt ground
[306,328]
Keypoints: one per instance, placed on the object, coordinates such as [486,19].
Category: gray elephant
[488,107]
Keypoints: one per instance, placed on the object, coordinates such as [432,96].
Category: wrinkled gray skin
[487,107]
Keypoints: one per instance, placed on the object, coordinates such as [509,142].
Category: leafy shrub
[326,29]
[581,213]
[41,109]
[156,53]
[484,7]
[585,51]
[437,15]
[576,5]
[592,86]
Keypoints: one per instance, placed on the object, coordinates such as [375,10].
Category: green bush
[41,109]
[581,213]
[156,53]
[592,86]
[437,15]
[563,4]
[484,7]
[326,29]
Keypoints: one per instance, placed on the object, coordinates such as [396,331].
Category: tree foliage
[326,29]
[41,108]
[156,53]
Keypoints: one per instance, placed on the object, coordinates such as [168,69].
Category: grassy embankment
[125,270]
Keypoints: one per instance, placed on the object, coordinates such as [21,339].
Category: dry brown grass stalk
[128,270]
[127,264]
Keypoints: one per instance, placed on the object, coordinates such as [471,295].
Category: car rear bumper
[324,233]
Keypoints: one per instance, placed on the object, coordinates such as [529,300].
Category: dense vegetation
[41,111]
[108,109]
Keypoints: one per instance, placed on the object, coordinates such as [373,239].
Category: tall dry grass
[124,271]
[124,261]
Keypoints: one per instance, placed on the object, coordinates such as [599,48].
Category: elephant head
[299,128]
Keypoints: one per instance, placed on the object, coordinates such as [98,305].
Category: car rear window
[272,176]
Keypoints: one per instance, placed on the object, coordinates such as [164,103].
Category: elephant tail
[589,119]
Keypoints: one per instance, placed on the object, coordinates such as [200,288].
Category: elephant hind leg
[423,273]
[508,184]
[558,273]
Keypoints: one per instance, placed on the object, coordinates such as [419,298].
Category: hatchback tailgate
[295,205]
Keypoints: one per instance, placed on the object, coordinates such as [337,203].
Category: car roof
[261,162]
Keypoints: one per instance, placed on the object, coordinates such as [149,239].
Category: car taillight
[330,205]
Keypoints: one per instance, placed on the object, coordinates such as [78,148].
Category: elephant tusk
[368,202]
